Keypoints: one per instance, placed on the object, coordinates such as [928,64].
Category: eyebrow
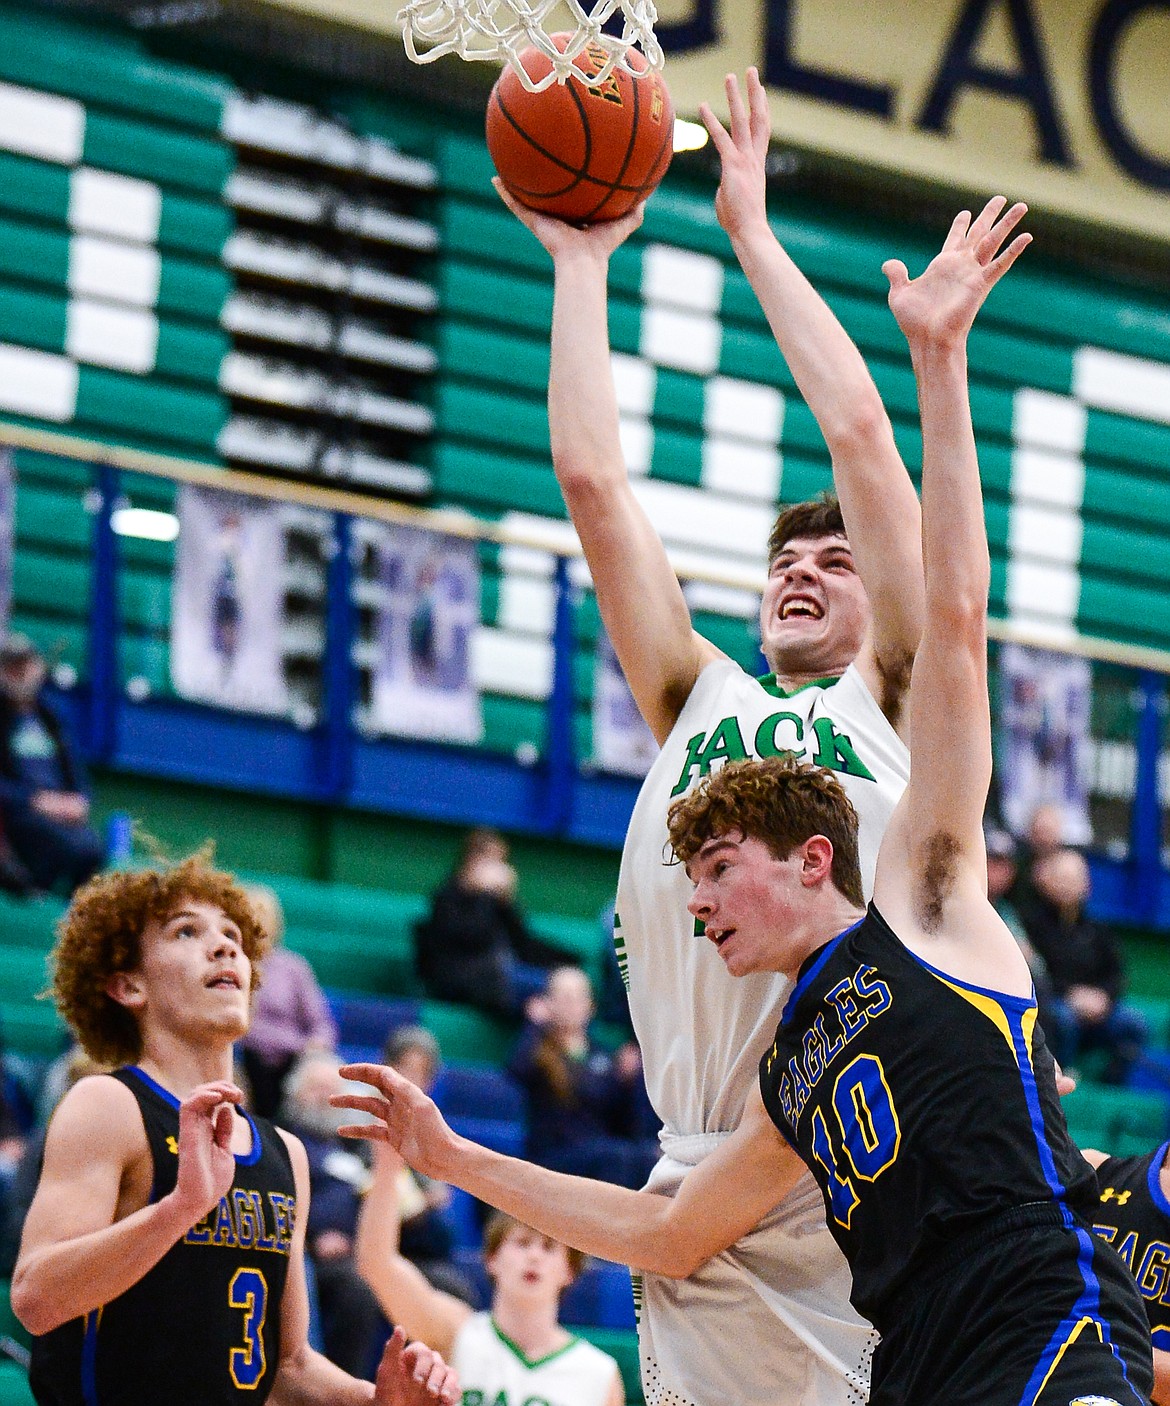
[708,848]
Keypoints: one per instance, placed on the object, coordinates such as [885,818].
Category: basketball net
[503,29]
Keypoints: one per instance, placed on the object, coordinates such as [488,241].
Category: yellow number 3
[249,1291]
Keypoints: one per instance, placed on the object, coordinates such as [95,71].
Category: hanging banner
[1044,726]
[621,740]
[227,602]
[421,684]
[7,528]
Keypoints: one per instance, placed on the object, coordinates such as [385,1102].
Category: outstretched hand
[560,237]
[413,1376]
[939,305]
[740,200]
[405,1118]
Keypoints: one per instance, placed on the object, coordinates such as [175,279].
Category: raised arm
[721,1200]
[933,850]
[405,1294]
[638,594]
[878,501]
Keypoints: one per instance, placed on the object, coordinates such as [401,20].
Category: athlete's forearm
[825,363]
[57,1282]
[305,1378]
[610,1222]
[582,402]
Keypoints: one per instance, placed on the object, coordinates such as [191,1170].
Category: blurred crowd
[579,1079]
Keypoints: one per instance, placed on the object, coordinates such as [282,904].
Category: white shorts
[766,1323]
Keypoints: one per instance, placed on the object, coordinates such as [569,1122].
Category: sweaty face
[193,978]
[814,612]
[530,1265]
[746,899]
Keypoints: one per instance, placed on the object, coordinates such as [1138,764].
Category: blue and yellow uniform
[1133,1215]
[927,1110]
[202,1328]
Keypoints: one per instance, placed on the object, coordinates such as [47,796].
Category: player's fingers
[993,240]
[986,217]
[371,1132]
[736,110]
[207,1097]
[222,1127]
[715,130]
[958,231]
[998,267]
[761,122]
[897,273]
[449,1392]
[362,1103]
[376,1074]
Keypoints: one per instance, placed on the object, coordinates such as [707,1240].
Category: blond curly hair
[782,801]
[101,933]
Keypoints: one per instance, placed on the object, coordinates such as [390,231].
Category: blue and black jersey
[927,1110]
[203,1326]
[1133,1215]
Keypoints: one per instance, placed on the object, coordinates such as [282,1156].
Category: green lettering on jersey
[835,751]
[472,1397]
[767,743]
[724,745]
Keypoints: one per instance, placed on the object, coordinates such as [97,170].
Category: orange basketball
[584,154]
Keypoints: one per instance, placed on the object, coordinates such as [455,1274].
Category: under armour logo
[1121,1197]
[1094,1400]
[173,1146]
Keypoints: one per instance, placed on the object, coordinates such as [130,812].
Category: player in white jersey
[839,621]
[516,1355]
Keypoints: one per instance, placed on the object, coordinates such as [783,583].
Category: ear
[127,990]
[816,865]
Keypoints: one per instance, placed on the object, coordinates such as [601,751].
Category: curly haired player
[162,1262]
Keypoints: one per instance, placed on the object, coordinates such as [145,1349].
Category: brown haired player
[839,622]
[518,1352]
[162,1262]
[907,1070]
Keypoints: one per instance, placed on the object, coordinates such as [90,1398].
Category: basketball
[584,154]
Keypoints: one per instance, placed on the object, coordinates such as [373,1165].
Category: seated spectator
[44,808]
[426,1238]
[1084,961]
[518,1352]
[350,1317]
[475,946]
[585,1113]
[289,1014]
[1002,871]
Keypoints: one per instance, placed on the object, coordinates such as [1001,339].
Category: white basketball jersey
[701,1031]
[493,1371]
[782,1291]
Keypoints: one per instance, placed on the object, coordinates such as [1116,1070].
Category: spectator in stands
[475,947]
[1002,872]
[584,1114]
[518,1352]
[426,1239]
[289,1014]
[350,1317]
[1084,961]
[44,806]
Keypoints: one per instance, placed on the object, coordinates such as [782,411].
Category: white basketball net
[503,29]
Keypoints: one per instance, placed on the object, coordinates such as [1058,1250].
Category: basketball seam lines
[616,185]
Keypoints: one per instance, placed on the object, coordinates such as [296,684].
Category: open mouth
[801,608]
[222,980]
[719,935]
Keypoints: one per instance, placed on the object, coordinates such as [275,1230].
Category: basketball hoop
[502,29]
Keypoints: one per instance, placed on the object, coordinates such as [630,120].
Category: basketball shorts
[766,1323]
[1023,1312]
